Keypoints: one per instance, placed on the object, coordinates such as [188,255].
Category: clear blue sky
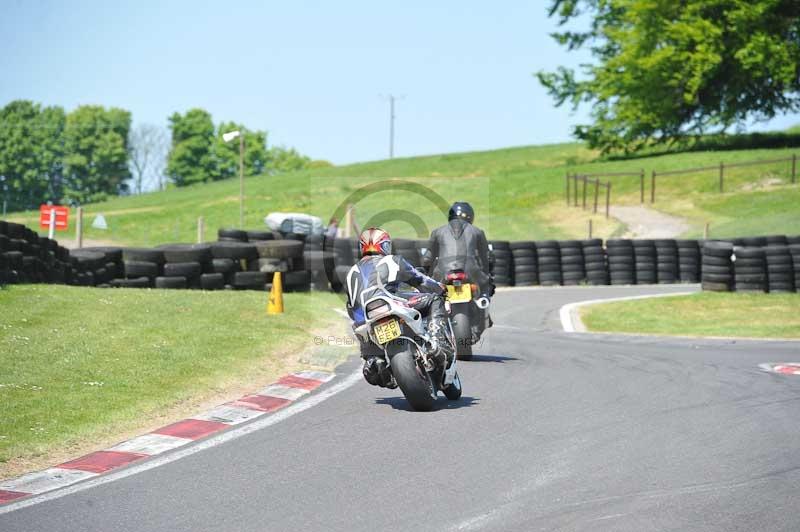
[313,74]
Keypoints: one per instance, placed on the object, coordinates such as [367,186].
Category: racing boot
[377,373]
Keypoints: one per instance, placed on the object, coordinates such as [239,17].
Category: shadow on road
[489,358]
[400,403]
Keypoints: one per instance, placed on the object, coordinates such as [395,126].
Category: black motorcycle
[468,312]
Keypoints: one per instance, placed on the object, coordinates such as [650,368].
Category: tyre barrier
[621,261]
[248,259]
[573,266]
[502,267]
[645,265]
[526,265]
[548,259]
[688,261]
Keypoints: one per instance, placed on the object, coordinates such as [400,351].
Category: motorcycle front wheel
[414,381]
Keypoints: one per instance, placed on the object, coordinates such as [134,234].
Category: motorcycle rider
[379,270]
[459,245]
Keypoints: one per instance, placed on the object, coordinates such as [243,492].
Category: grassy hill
[518,193]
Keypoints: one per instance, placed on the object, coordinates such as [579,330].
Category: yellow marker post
[275,303]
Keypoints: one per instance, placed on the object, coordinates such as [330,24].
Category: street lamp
[227,137]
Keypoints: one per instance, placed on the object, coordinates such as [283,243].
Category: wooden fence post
[608,197]
[721,171]
[794,166]
[596,192]
[201,229]
[575,177]
[79,228]
[653,187]
[590,228]
[567,189]
[641,186]
[585,182]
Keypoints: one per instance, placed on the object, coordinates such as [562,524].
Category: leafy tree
[199,154]
[667,70]
[31,151]
[284,159]
[96,153]
[191,159]
[256,157]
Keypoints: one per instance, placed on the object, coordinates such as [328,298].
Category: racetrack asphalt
[555,431]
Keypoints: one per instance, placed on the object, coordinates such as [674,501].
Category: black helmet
[463,210]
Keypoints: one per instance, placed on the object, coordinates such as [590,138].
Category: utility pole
[241,180]
[391,126]
[392,99]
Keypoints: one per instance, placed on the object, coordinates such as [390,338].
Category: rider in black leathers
[459,245]
[379,270]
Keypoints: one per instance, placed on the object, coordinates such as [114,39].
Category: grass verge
[81,368]
[741,315]
[518,194]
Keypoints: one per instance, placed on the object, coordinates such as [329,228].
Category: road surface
[554,431]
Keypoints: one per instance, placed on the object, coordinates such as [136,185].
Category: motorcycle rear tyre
[463,333]
[413,380]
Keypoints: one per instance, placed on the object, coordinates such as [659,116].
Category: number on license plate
[387,331]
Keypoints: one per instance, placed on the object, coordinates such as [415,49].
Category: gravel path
[648,223]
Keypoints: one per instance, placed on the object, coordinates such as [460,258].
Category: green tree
[256,157]
[666,70]
[31,152]
[96,153]
[284,159]
[191,158]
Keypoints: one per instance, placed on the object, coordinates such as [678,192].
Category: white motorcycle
[401,332]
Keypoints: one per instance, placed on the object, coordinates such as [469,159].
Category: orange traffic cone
[275,303]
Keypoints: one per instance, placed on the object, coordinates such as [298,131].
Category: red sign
[61,216]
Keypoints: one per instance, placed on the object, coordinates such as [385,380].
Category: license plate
[459,294]
[387,331]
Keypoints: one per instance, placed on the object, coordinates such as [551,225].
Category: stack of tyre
[243,235]
[621,261]
[345,255]
[285,256]
[188,266]
[666,261]
[526,267]
[548,259]
[503,263]
[594,259]
[749,269]
[141,266]
[97,266]
[89,268]
[776,240]
[780,269]
[644,254]
[717,267]
[25,257]
[688,261]
[794,250]
[318,262]
[573,270]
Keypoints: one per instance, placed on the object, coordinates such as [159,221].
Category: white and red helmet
[374,241]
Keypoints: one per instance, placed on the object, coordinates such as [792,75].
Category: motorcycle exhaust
[482,302]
